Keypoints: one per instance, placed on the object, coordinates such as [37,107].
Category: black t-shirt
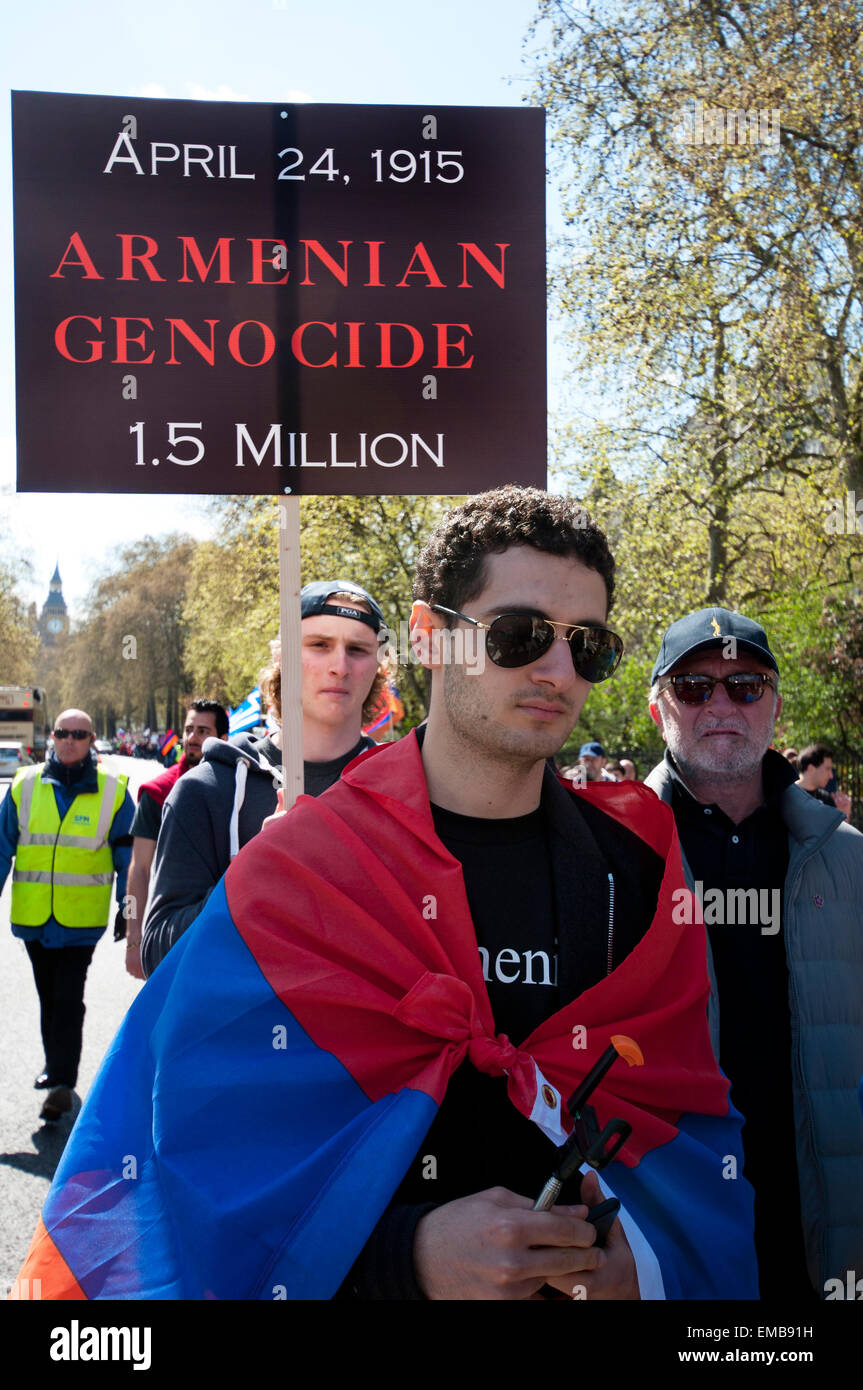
[510,892]
[147,818]
[754,1016]
[317,777]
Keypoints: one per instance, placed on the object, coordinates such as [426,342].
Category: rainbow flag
[277,1074]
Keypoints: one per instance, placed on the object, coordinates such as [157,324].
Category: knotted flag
[274,1079]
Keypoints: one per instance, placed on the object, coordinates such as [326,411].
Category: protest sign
[217,297]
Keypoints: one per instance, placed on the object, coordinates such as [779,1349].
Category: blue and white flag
[247,714]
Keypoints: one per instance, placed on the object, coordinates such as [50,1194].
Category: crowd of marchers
[561,882]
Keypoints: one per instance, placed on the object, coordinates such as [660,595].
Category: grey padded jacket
[823,925]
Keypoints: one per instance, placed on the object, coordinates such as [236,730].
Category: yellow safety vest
[64,870]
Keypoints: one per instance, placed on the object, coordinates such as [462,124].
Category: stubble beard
[481,736]
[724,765]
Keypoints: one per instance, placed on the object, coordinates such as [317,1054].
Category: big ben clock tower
[54,619]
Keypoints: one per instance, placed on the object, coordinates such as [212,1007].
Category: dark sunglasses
[77,734]
[517,639]
[744,687]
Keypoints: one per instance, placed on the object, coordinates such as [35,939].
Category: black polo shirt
[751,970]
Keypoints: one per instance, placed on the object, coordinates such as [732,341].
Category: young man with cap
[778,882]
[386,1002]
[217,808]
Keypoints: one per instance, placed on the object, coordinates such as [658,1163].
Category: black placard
[220,297]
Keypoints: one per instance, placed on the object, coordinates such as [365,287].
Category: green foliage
[232,603]
[713,295]
[818,643]
[19,641]
[128,658]
[375,541]
[616,714]
[714,291]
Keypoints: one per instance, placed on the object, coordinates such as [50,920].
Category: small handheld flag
[587,1144]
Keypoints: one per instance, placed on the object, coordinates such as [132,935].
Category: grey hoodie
[211,812]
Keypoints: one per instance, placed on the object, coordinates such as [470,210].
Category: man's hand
[279,811]
[493,1245]
[616,1277]
[133,960]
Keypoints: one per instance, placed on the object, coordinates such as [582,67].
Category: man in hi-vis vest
[66,823]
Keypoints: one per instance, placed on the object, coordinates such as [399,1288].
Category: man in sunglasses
[790,981]
[387,1001]
[67,825]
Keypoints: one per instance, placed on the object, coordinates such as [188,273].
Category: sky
[454,52]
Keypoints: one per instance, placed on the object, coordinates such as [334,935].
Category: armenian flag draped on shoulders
[276,1076]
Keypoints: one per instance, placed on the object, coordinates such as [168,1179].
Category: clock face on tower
[55,625]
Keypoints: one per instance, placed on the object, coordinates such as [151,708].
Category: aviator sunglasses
[517,639]
[77,734]
[743,688]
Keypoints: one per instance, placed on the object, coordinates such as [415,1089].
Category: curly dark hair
[451,568]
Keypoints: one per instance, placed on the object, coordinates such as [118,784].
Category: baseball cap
[314,599]
[592,750]
[707,629]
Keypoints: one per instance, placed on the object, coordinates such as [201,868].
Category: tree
[232,603]
[376,542]
[19,641]
[717,289]
[842,664]
[128,659]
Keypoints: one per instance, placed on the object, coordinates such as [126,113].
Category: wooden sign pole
[292,675]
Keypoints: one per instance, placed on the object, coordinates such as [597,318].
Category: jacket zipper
[610,922]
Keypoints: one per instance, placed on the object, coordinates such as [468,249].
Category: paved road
[30,1150]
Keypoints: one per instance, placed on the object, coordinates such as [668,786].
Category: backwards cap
[314,599]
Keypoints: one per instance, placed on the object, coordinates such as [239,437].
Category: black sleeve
[189,863]
[147,818]
[385,1266]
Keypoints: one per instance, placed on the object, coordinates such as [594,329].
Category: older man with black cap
[218,806]
[778,882]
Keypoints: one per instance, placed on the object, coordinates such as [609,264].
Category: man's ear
[423,626]
[656,717]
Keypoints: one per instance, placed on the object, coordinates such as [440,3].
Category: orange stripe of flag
[44,1273]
